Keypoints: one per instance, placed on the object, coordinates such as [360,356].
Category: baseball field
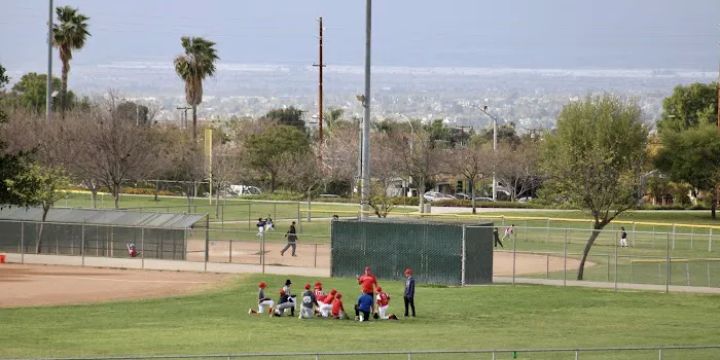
[145,313]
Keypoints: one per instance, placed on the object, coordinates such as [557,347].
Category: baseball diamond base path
[35,285]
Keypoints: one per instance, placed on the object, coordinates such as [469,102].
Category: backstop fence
[454,254]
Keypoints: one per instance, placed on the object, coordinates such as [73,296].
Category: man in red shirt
[368,282]
[338,310]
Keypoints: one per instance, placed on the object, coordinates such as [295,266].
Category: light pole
[48,89]
[365,173]
[494,119]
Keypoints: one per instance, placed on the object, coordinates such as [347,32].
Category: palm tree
[69,33]
[197,63]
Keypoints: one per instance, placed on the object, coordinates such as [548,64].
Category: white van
[243,190]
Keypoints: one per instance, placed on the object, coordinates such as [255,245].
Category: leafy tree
[289,116]
[689,106]
[134,113]
[69,34]
[266,150]
[516,167]
[11,164]
[474,163]
[38,186]
[693,156]
[594,159]
[193,67]
[421,159]
[31,89]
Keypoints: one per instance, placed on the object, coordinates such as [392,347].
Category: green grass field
[482,317]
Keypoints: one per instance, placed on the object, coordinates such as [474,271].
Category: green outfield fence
[439,253]
[681,352]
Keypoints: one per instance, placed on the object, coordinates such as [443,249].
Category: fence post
[547,266]
[262,252]
[249,215]
[547,230]
[207,241]
[309,210]
[687,272]
[514,253]
[299,217]
[710,241]
[274,210]
[82,244]
[634,235]
[230,257]
[142,248]
[22,243]
[667,264]
[660,356]
[462,263]
[577,355]
[565,259]
[315,257]
[616,262]
[673,237]
[608,267]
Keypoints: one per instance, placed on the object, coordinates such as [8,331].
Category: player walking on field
[508,232]
[260,228]
[291,236]
[623,237]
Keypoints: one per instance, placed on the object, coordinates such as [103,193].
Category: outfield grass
[449,318]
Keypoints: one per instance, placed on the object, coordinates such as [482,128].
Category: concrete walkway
[608,285]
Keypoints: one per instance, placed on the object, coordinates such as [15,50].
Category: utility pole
[365,189]
[320,67]
[183,116]
[48,85]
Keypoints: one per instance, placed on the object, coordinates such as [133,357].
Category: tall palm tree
[69,33]
[192,67]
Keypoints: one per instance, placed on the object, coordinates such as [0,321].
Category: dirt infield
[33,285]
[311,256]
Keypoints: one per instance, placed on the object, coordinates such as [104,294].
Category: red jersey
[383,299]
[367,283]
[337,305]
[319,295]
[329,298]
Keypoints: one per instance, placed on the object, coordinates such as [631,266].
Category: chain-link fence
[690,352]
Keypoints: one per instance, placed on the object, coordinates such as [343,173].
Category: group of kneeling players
[316,303]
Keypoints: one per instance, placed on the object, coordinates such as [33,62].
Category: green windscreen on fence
[433,250]
[478,254]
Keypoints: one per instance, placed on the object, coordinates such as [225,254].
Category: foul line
[125,280]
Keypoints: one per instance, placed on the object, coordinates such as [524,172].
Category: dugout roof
[103,217]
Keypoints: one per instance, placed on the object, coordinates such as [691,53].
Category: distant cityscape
[529,98]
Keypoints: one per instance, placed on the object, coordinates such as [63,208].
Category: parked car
[433,196]
[243,190]
[462,196]
[484,198]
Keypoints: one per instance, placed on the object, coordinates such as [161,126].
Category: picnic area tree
[474,162]
[594,159]
[38,186]
[268,150]
[688,107]
[693,156]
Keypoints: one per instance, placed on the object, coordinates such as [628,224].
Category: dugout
[94,232]
[439,253]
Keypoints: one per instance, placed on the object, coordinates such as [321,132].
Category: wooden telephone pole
[320,67]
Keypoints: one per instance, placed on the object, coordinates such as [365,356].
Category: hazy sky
[481,33]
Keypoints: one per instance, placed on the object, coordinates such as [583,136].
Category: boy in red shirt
[383,302]
[326,306]
[338,310]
